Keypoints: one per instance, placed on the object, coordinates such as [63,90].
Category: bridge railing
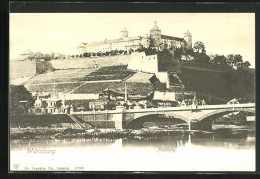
[182,108]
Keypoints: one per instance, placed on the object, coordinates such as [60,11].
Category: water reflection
[220,137]
[174,152]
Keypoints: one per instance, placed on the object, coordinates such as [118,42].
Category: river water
[218,151]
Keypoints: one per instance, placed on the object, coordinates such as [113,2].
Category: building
[27,54]
[233,101]
[233,117]
[155,40]
[250,118]
[97,105]
[49,105]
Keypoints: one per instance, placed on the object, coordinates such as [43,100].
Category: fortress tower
[155,34]
[188,39]
[124,33]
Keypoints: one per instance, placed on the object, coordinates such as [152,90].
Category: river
[217,151]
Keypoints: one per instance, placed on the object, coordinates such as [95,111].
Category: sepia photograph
[132,92]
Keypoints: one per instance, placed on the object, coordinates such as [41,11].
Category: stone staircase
[76,121]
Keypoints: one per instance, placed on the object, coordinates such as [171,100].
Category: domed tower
[188,39]
[155,34]
[124,33]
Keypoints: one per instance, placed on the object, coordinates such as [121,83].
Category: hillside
[217,83]
[94,62]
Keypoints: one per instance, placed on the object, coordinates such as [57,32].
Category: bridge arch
[218,113]
[147,118]
[205,121]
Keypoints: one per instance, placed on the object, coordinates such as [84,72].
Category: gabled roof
[172,38]
[233,100]
[27,52]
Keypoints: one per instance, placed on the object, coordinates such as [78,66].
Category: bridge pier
[193,124]
[118,117]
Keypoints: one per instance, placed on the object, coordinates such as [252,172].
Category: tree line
[199,55]
[46,56]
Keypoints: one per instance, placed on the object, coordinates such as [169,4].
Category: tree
[86,54]
[19,94]
[44,104]
[199,47]
[211,58]
[58,104]
[220,59]
[201,57]
[38,55]
[150,51]
[178,53]
[230,60]
[238,60]
[246,64]
[47,57]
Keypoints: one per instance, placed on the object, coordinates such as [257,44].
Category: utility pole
[125,92]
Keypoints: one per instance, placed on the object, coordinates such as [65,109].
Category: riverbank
[59,133]
[45,132]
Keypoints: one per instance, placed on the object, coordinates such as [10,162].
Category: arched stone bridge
[198,117]
[202,115]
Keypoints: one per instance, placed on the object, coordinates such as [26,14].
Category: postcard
[132,92]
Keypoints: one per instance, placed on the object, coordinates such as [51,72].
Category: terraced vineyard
[79,81]
[61,76]
[133,88]
[59,87]
[109,73]
[94,87]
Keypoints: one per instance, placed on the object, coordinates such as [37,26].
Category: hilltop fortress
[155,40]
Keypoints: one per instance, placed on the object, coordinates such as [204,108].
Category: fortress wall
[90,62]
[22,69]
[141,62]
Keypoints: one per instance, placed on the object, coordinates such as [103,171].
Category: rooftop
[115,40]
[27,52]
[172,38]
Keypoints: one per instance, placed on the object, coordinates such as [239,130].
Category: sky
[221,33]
